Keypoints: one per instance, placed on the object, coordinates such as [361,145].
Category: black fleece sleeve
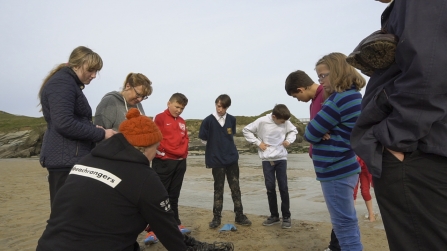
[155,207]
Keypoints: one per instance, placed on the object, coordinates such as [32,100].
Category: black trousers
[232,174]
[55,181]
[171,173]
[412,198]
[334,245]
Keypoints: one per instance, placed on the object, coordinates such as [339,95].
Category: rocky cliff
[21,144]
[22,136]
[27,143]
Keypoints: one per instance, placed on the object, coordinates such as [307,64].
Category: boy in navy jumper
[217,131]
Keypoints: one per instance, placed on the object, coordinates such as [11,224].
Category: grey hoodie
[112,110]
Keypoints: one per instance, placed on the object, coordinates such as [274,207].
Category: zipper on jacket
[77,148]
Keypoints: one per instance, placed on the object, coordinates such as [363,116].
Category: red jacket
[174,144]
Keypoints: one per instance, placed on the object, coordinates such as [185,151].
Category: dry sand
[24,199]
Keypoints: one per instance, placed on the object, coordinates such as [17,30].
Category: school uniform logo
[229,131]
[166,205]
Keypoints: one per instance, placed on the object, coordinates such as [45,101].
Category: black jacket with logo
[107,201]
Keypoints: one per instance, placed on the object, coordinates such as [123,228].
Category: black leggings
[55,180]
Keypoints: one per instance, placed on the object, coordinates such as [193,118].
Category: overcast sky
[201,48]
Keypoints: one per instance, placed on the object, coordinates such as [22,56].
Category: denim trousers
[232,174]
[412,198]
[277,171]
[171,173]
[340,203]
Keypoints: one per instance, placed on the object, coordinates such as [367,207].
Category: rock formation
[27,143]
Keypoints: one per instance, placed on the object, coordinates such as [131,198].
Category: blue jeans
[278,169]
[338,195]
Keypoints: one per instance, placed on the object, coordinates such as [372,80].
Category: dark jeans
[334,245]
[273,173]
[55,180]
[412,198]
[171,173]
[232,174]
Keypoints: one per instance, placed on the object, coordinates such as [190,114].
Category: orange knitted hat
[140,130]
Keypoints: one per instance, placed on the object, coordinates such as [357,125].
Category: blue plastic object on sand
[228,227]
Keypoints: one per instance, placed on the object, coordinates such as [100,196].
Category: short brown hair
[281,112]
[297,79]
[225,100]
[179,98]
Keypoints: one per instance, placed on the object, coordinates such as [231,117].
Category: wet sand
[25,208]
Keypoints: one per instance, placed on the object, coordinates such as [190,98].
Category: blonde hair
[137,79]
[79,56]
[342,75]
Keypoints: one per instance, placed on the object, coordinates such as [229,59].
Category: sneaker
[183,229]
[286,222]
[271,220]
[327,249]
[242,220]
[215,222]
[150,238]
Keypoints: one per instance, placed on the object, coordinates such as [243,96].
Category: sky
[201,48]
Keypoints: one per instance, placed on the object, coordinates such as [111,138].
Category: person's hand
[109,133]
[98,126]
[263,146]
[399,155]
[327,136]
[286,143]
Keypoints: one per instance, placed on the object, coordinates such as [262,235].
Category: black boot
[241,219]
[215,222]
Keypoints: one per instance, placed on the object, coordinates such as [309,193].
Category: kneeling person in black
[112,194]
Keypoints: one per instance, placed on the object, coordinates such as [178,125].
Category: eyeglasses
[139,95]
[322,76]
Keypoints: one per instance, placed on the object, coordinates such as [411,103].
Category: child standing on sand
[170,160]
[272,134]
[221,155]
[365,182]
[334,160]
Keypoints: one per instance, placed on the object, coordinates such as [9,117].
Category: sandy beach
[24,197]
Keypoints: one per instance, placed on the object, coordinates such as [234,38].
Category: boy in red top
[170,160]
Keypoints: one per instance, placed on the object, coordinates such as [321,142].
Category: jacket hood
[117,148]
[116,95]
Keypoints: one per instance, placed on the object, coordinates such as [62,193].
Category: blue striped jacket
[334,158]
